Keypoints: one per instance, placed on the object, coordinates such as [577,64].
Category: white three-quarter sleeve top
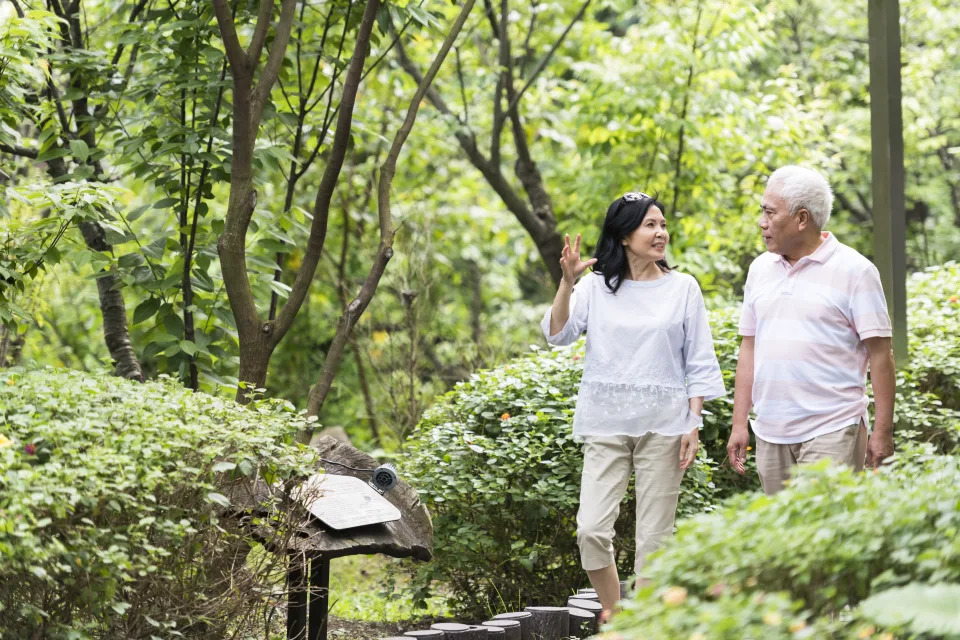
[649,349]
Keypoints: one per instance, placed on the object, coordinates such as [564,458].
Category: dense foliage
[114,515]
[839,538]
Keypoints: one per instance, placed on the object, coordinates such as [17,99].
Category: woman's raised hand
[570,260]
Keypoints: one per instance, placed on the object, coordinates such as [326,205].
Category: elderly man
[813,316]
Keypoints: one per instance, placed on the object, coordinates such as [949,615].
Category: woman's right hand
[570,261]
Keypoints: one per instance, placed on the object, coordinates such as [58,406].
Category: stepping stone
[429,634]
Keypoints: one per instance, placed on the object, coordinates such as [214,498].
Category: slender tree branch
[260,31]
[228,33]
[277,52]
[328,182]
[19,151]
[355,309]
[546,58]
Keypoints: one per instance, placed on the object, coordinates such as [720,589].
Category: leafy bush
[498,466]
[827,543]
[113,518]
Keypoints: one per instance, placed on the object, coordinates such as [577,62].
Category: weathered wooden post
[548,623]
[588,605]
[511,628]
[523,618]
[453,630]
[583,624]
[426,634]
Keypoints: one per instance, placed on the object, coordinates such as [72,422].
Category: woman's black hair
[624,214]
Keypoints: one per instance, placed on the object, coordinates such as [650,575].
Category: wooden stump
[453,630]
[523,617]
[548,623]
[587,594]
[478,632]
[510,628]
[624,588]
[587,590]
[429,634]
[395,638]
[592,606]
[496,633]
[583,624]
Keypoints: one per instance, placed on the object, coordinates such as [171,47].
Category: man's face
[781,231]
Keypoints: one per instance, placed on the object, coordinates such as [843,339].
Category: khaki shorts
[607,465]
[776,462]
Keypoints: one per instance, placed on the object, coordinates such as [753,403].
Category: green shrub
[497,465]
[113,518]
[827,543]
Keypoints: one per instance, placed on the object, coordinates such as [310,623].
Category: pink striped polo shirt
[810,321]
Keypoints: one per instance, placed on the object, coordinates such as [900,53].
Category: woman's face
[649,240]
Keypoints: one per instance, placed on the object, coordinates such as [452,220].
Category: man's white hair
[803,188]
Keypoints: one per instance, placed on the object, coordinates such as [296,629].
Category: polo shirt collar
[822,253]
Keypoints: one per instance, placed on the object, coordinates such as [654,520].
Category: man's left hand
[879,447]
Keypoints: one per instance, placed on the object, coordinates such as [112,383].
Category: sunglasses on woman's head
[633,196]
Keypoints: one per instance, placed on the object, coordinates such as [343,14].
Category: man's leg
[656,460]
[847,446]
[606,470]
[775,462]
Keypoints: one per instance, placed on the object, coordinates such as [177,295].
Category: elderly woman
[649,366]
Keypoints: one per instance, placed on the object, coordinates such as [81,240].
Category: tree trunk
[115,330]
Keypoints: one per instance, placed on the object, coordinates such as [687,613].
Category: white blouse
[649,349]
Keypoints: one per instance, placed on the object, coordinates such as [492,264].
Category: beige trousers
[776,462]
[607,464]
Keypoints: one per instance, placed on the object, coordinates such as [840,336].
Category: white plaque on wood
[343,502]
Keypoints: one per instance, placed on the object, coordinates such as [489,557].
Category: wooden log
[495,633]
[396,638]
[511,628]
[624,588]
[548,623]
[587,590]
[428,634]
[587,605]
[587,594]
[583,624]
[523,617]
[478,632]
[453,630]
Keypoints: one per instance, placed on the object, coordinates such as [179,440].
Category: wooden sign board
[344,502]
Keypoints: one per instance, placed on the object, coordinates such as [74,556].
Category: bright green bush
[827,543]
[113,514]
[497,465]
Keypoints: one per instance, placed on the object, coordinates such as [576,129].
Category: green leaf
[218,498]
[188,347]
[166,203]
[80,150]
[220,467]
[922,608]
[136,213]
[145,310]
[130,260]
